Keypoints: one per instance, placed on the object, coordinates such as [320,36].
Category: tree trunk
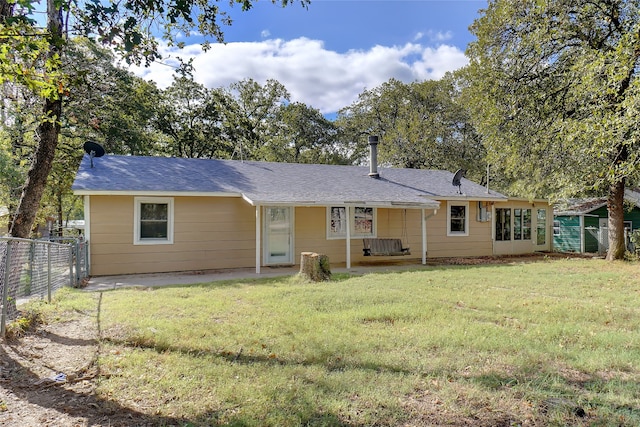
[615,209]
[6,10]
[36,181]
[48,131]
[315,267]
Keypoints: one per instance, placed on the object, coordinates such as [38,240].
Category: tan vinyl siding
[477,243]
[311,235]
[514,247]
[219,232]
[209,233]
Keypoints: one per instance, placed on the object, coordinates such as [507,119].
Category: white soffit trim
[154,193]
[474,199]
[325,203]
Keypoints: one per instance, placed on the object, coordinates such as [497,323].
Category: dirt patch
[48,378]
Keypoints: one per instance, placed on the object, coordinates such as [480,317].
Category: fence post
[71,281]
[32,257]
[85,257]
[5,289]
[49,272]
[76,251]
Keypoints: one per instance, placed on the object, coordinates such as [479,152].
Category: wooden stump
[315,267]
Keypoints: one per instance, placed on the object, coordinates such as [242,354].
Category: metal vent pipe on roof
[373,157]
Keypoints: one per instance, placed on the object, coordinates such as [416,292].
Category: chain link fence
[36,269]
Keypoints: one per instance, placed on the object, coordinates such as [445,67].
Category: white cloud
[439,36]
[318,77]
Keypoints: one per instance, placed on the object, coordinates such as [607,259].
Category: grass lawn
[556,342]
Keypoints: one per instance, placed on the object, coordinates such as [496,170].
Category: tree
[301,134]
[106,103]
[421,125]
[192,118]
[251,110]
[554,92]
[31,56]
[49,127]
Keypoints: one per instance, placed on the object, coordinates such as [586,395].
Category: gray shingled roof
[572,207]
[272,183]
[587,205]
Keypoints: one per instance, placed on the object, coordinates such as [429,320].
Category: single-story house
[580,225]
[160,214]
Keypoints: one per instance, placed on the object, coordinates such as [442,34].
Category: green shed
[580,225]
[575,232]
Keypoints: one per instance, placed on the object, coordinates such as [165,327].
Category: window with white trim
[522,224]
[458,219]
[363,222]
[503,224]
[153,222]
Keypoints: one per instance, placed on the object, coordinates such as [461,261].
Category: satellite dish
[93,149]
[457,179]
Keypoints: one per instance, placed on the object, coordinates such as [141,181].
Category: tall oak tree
[554,90]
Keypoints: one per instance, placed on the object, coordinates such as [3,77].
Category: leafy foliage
[421,125]
[191,120]
[107,103]
[553,88]
[301,134]
[32,57]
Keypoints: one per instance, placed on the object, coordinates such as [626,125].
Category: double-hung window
[363,222]
[153,223]
[458,219]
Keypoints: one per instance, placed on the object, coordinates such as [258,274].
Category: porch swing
[387,246]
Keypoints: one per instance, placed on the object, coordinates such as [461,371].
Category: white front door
[278,235]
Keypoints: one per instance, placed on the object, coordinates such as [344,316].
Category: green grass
[515,344]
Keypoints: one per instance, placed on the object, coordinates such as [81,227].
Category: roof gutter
[154,193]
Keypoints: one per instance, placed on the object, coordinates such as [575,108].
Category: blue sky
[329,53]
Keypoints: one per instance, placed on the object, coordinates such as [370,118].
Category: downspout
[258,226]
[348,209]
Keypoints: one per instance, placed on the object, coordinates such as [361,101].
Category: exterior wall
[568,237]
[219,232]
[310,235]
[514,247]
[439,245]
[209,233]
[633,215]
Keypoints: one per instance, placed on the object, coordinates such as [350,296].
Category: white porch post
[258,227]
[87,229]
[424,236]
[348,209]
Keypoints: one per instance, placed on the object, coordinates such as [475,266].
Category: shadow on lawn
[34,401]
[46,402]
